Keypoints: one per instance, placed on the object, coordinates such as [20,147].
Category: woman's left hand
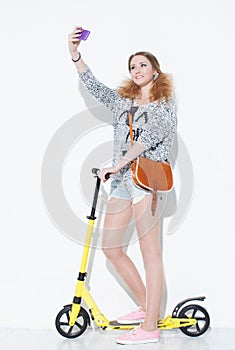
[112,171]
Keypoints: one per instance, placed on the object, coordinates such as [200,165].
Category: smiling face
[141,70]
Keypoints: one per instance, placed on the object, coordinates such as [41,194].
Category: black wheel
[62,322]
[202,317]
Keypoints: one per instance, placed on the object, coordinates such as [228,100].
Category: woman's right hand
[74,41]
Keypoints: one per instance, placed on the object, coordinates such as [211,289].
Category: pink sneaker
[137,316]
[139,336]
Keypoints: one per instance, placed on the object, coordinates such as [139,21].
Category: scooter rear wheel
[200,314]
[62,322]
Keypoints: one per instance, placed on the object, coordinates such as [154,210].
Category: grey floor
[213,339]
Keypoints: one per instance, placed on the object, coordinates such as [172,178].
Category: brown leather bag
[149,175]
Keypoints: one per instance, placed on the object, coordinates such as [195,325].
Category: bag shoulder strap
[131,114]
[130,125]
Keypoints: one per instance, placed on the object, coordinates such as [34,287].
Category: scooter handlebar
[96,172]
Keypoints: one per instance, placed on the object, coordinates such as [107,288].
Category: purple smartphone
[84,35]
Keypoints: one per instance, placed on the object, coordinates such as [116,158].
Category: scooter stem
[97,188]
[82,272]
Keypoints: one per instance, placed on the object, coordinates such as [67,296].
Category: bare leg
[148,228]
[117,218]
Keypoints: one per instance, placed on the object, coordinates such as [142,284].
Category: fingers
[103,174]
[75,34]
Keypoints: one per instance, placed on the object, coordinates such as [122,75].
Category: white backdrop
[39,93]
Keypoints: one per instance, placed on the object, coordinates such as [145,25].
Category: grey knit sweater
[154,124]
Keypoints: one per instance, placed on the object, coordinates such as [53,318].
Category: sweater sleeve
[103,94]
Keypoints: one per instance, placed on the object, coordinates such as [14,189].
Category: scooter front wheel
[62,322]
[200,314]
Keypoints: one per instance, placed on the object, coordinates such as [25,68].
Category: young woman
[154,124]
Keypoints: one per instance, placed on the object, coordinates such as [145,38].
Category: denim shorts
[126,189]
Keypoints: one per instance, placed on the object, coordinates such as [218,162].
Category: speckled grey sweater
[154,124]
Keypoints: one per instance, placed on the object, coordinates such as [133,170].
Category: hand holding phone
[75,37]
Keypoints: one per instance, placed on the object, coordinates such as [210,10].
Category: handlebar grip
[107,176]
[95,171]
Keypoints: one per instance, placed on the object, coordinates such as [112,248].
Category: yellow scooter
[72,321]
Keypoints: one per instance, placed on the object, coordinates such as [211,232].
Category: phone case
[85,34]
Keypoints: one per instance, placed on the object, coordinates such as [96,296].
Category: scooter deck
[115,323]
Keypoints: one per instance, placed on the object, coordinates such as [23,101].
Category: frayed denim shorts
[126,189]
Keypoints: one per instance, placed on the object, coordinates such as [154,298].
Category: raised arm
[103,94]
[74,42]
